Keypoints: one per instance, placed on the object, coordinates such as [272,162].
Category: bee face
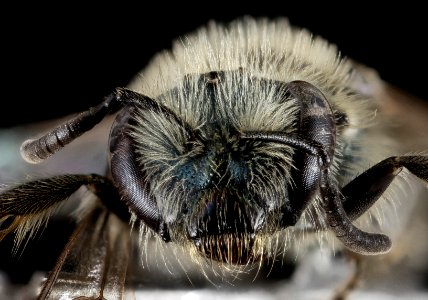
[206,183]
[210,184]
[231,144]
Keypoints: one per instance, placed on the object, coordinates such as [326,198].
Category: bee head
[205,184]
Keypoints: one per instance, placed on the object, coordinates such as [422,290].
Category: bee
[224,154]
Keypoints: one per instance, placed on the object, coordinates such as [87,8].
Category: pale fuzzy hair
[268,50]
[265,49]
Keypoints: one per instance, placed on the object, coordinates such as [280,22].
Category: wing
[94,262]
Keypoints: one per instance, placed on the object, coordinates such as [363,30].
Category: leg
[362,192]
[35,200]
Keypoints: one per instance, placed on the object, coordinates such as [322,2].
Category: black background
[61,60]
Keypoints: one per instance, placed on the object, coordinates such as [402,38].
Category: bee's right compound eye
[131,182]
[128,175]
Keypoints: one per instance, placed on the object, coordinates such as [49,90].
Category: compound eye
[128,175]
[129,179]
